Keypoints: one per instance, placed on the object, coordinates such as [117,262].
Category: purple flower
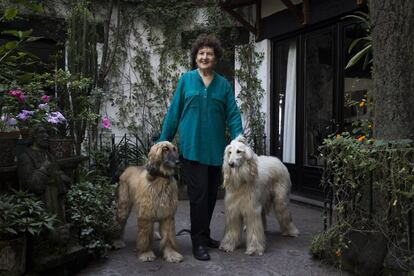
[45,98]
[18,94]
[24,115]
[55,117]
[105,122]
[44,106]
[12,122]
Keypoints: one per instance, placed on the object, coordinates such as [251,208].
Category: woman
[202,106]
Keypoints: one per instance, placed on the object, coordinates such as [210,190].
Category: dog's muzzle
[172,160]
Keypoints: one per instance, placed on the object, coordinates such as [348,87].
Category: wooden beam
[305,11]
[294,10]
[239,18]
[238,4]
[258,19]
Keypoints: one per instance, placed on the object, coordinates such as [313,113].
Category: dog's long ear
[153,158]
[241,139]
[248,152]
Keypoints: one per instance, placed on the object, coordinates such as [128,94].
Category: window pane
[357,80]
[318,90]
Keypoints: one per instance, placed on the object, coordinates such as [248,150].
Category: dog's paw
[226,247]
[147,256]
[173,257]
[292,231]
[254,251]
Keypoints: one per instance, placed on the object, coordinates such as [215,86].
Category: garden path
[283,256]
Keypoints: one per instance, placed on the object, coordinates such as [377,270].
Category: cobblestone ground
[283,256]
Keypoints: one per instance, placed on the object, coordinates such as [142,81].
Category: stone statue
[39,173]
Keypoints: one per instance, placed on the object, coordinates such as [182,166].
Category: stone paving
[283,255]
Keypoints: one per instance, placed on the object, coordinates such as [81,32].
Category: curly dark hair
[205,40]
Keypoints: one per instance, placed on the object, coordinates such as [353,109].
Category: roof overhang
[300,12]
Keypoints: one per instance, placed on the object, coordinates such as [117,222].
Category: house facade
[309,93]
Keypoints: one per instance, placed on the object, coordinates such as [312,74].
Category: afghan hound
[152,190]
[254,185]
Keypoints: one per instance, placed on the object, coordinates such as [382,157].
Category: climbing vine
[251,95]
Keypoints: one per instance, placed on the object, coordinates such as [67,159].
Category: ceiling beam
[238,4]
[305,11]
[240,19]
[230,6]
[294,10]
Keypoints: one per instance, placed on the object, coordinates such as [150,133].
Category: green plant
[251,94]
[22,213]
[28,104]
[364,43]
[91,206]
[12,54]
[370,187]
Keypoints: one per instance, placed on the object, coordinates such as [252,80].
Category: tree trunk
[393,68]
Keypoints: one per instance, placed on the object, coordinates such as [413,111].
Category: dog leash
[182,231]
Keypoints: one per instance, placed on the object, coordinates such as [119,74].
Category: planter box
[8,143]
[13,257]
[62,147]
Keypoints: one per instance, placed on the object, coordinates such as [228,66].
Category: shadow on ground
[283,255]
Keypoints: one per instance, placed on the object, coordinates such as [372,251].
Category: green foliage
[363,44]
[251,95]
[80,97]
[22,213]
[91,206]
[12,55]
[141,110]
[24,97]
[371,185]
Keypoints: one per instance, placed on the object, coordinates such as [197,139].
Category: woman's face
[205,58]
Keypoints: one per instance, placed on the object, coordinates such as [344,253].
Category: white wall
[263,74]
[264,47]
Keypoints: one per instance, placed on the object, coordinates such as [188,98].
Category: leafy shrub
[91,206]
[369,184]
[22,213]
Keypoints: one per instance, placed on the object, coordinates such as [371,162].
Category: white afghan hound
[254,185]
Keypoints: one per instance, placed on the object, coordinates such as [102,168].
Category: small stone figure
[39,173]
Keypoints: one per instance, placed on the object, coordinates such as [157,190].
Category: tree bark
[393,68]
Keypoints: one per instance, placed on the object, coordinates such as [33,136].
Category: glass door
[318,94]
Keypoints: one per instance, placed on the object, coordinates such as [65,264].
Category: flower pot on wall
[62,147]
[13,256]
[8,142]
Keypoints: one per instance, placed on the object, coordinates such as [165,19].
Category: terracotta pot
[62,147]
[8,142]
[13,256]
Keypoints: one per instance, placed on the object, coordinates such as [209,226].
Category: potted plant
[22,107]
[21,215]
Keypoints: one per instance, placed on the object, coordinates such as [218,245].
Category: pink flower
[45,98]
[105,122]
[18,94]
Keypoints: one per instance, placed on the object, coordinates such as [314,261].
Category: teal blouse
[201,115]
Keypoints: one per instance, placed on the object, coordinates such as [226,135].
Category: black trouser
[202,184]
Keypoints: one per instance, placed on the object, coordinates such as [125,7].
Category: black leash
[182,231]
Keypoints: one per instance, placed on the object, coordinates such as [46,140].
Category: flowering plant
[19,110]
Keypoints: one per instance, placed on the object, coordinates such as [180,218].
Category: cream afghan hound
[152,191]
[254,185]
